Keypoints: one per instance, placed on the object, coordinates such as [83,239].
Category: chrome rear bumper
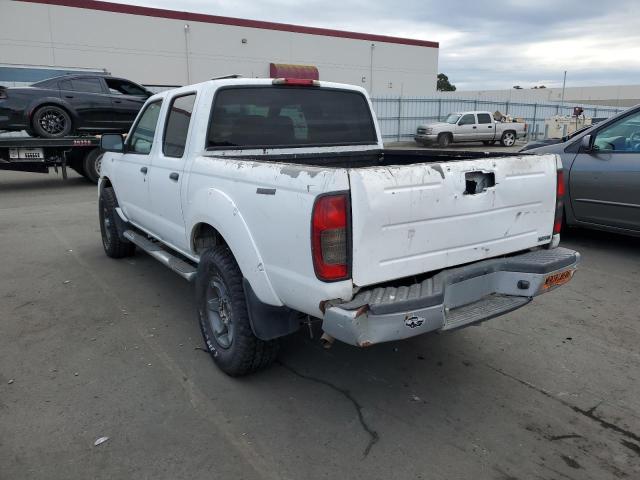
[453,298]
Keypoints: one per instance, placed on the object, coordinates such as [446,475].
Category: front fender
[230,224]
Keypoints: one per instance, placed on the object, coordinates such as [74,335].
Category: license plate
[26,154]
[557,279]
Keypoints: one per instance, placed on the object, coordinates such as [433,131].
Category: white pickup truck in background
[470,127]
[277,198]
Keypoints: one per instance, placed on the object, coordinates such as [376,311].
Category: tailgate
[412,219]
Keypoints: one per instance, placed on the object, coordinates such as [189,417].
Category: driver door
[467,128]
[605,182]
[132,172]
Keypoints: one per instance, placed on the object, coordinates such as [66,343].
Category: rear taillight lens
[330,237]
[557,224]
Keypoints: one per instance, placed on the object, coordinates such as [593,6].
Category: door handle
[68,96]
[174,176]
[117,101]
[474,127]
[143,170]
[489,126]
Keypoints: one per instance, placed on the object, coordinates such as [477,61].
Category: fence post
[535,114]
[399,115]
[506,107]
[439,109]
[475,104]
[595,112]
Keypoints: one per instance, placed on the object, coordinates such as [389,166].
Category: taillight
[560,190]
[307,82]
[330,237]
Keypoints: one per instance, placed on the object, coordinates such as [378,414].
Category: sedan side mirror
[112,142]
[585,143]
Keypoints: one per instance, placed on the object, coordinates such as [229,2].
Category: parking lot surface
[92,347]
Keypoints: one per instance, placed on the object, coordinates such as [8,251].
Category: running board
[176,264]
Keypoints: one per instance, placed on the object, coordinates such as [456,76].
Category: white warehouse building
[41,38]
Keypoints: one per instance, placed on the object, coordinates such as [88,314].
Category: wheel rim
[106,223]
[219,313]
[98,163]
[52,121]
[509,139]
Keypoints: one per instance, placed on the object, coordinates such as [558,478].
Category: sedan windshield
[452,118]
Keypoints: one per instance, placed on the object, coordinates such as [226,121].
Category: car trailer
[38,155]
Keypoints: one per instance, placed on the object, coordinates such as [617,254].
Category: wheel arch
[219,220]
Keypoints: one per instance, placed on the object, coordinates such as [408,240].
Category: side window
[87,85]
[484,118]
[64,85]
[622,136]
[141,138]
[468,119]
[177,125]
[123,87]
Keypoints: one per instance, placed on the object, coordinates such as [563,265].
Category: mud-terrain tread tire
[247,352]
[114,246]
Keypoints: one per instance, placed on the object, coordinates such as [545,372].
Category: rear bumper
[451,299]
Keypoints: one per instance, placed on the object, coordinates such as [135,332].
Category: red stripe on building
[238,22]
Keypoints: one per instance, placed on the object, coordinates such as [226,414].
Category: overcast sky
[483,44]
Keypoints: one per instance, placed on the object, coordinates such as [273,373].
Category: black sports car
[60,106]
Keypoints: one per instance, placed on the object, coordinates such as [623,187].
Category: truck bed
[371,158]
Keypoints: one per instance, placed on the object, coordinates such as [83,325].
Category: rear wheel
[114,246]
[51,121]
[223,316]
[508,139]
[91,165]
[444,139]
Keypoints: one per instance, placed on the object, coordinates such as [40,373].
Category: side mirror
[112,142]
[585,143]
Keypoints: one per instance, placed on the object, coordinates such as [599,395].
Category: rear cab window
[484,118]
[272,116]
[177,125]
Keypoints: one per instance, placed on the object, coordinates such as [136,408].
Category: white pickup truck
[277,198]
[470,127]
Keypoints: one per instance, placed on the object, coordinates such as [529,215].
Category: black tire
[508,139]
[114,246]
[224,319]
[444,140]
[51,121]
[91,165]
[488,142]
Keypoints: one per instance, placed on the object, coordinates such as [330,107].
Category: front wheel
[114,246]
[224,318]
[508,139]
[444,140]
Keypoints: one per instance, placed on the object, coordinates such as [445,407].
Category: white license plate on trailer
[26,154]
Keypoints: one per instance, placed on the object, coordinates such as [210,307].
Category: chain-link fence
[399,117]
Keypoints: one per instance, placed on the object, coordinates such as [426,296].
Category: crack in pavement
[587,413]
[373,435]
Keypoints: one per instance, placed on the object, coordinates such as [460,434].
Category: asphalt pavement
[93,347]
